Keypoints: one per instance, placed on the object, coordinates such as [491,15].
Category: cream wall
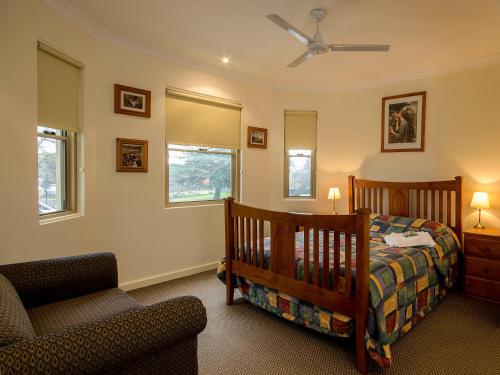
[125,212]
[462,138]
[21,236]
[152,240]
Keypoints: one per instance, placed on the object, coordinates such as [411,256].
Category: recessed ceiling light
[225,60]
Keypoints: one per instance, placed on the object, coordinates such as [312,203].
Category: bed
[336,275]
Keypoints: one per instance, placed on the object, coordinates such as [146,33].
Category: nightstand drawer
[482,288]
[482,247]
[485,268]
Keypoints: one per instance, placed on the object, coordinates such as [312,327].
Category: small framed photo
[257,137]
[131,155]
[132,101]
[403,122]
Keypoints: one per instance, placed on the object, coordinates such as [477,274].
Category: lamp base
[479,226]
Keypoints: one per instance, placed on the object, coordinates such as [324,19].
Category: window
[58,127]
[300,154]
[300,173]
[198,174]
[203,142]
[55,148]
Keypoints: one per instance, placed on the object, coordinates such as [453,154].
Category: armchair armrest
[108,343]
[51,280]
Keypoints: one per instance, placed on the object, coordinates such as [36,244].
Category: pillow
[15,325]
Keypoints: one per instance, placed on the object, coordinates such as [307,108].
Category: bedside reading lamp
[480,200]
[334,194]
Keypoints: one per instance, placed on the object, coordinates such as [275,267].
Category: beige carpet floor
[461,336]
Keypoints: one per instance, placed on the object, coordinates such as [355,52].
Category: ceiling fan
[316,45]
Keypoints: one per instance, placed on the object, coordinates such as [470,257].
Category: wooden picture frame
[131,155]
[256,137]
[132,101]
[403,122]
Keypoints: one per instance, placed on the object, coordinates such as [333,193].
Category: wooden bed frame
[246,226]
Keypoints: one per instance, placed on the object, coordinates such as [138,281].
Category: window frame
[286,182]
[70,172]
[235,174]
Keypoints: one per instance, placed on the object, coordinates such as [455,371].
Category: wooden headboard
[434,200]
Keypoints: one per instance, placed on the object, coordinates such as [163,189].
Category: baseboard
[141,283]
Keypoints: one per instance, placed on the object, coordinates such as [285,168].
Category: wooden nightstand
[482,263]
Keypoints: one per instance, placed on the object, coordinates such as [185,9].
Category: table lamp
[334,194]
[480,200]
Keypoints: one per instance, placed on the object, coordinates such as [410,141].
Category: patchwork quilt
[405,284]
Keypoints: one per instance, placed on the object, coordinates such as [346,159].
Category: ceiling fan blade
[299,60]
[292,30]
[360,47]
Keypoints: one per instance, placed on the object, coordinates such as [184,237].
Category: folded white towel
[409,239]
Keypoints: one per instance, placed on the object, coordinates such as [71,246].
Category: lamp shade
[480,200]
[334,193]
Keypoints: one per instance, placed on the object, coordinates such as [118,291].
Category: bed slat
[326,260]
[336,260]
[307,278]
[261,243]
[347,264]
[316,256]
[254,241]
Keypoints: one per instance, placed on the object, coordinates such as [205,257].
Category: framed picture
[131,155]
[403,122]
[257,137]
[132,101]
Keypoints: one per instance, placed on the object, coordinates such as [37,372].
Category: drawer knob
[485,269]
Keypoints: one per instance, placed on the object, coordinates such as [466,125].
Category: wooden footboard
[246,228]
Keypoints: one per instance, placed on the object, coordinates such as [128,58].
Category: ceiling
[427,36]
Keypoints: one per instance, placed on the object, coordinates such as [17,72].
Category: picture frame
[403,122]
[131,155]
[132,101]
[256,137]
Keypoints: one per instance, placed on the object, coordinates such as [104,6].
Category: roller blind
[300,130]
[58,91]
[201,120]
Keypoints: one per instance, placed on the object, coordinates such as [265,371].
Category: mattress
[405,284]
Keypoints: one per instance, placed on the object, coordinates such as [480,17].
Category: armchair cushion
[61,316]
[15,324]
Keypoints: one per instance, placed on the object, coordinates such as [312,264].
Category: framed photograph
[131,155]
[403,122]
[257,137]
[132,101]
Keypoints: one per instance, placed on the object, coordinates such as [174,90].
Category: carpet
[460,336]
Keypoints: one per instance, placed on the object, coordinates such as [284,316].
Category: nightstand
[482,263]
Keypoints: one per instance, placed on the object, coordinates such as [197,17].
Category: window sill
[57,218]
[307,199]
[194,205]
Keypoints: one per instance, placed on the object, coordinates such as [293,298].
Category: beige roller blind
[300,130]
[58,91]
[200,120]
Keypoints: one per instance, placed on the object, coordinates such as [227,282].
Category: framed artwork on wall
[403,122]
[131,155]
[256,137]
[132,101]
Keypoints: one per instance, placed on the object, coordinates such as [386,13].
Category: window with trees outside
[300,173]
[58,126]
[200,174]
[300,154]
[55,148]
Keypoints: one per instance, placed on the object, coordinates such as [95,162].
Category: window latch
[48,132]
[204,149]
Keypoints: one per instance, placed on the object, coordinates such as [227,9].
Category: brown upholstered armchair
[67,316]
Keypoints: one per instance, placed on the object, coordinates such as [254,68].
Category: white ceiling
[427,36]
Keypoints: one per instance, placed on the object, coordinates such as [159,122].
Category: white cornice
[73,15]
